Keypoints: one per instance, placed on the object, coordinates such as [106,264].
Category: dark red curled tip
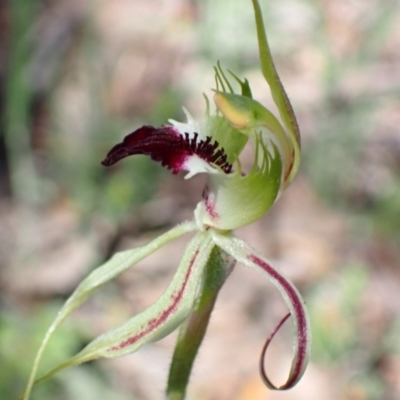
[263,352]
[168,146]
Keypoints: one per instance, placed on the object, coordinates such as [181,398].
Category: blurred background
[76,76]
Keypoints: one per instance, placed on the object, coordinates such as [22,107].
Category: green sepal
[158,320]
[143,328]
[279,95]
[101,275]
[244,254]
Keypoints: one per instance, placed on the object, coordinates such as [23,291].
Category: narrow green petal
[165,314]
[278,92]
[302,344]
[159,319]
[117,264]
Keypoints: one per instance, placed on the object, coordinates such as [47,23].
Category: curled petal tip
[302,343]
[117,153]
[137,142]
[293,378]
[302,336]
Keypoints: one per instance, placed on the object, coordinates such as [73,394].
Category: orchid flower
[232,198]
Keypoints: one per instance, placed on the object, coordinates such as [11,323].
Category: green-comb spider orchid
[231,199]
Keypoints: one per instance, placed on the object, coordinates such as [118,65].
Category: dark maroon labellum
[168,146]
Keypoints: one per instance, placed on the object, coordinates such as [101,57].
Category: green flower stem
[192,332]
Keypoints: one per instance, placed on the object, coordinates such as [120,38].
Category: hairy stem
[192,332]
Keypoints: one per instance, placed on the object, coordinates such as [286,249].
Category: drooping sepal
[161,318]
[101,275]
[302,343]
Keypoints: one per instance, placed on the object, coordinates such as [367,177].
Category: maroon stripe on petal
[302,335]
[160,319]
[168,146]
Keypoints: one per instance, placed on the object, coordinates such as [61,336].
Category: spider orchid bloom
[231,199]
